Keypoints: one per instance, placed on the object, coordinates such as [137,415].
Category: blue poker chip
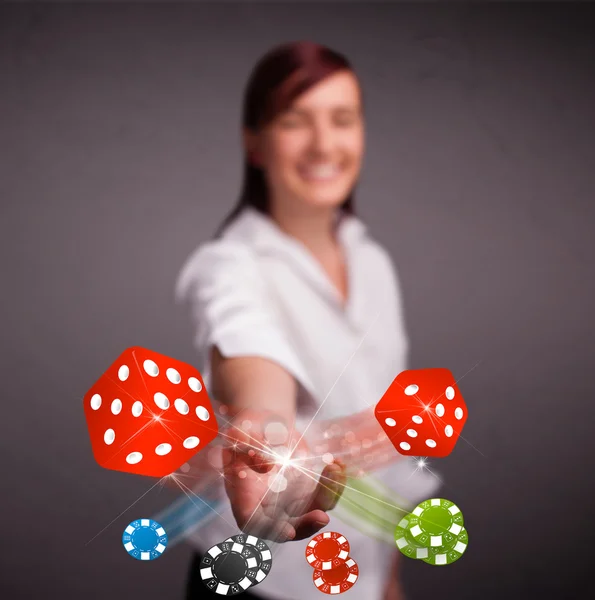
[144,539]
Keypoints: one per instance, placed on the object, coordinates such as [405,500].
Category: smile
[326,172]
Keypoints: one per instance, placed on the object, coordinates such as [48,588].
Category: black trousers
[197,590]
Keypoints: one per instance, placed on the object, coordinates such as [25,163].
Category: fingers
[260,525]
[329,489]
[242,457]
[282,529]
[309,524]
[331,486]
[259,461]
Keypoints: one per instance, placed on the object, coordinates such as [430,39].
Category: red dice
[423,412]
[148,414]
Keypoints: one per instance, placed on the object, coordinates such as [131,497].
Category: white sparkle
[282,456]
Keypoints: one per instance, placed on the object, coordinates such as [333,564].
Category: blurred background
[119,154]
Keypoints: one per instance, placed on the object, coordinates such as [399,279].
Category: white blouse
[259,292]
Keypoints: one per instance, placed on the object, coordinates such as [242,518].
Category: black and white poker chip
[229,568]
[265,558]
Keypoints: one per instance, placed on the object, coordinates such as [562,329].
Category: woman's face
[312,153]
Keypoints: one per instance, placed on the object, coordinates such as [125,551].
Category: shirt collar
[263,236]
[262,233]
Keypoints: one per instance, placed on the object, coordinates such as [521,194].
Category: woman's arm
[259,391]
[251,382]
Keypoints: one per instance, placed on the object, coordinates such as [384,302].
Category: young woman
[298,309]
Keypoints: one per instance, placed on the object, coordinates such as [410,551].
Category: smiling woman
[290,293]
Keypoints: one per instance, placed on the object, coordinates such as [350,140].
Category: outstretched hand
[270,478]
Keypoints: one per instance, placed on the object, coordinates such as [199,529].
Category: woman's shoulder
[221,249]
[213,261]
[377,254]
[356,234]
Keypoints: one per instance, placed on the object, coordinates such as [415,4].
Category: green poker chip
[449,553]
[435,523]
[406,544]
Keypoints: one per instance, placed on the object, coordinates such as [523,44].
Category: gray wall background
[119,153]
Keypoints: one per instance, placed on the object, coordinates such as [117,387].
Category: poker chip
[405,542]
[264,556]
[327,550]
[337,580]
[229,568]
[433,521]
[144,539]
[446,555]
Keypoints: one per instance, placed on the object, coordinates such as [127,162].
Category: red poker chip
[327,550]
[337,580]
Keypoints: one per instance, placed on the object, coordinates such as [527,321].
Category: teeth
[322,171]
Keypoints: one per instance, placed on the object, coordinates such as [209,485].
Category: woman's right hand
[274,492]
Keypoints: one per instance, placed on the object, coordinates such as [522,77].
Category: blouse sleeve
[231,308]
[401,322]
[394,294]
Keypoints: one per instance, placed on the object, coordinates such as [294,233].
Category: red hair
[281,75]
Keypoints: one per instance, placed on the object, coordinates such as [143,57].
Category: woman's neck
[315,228]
